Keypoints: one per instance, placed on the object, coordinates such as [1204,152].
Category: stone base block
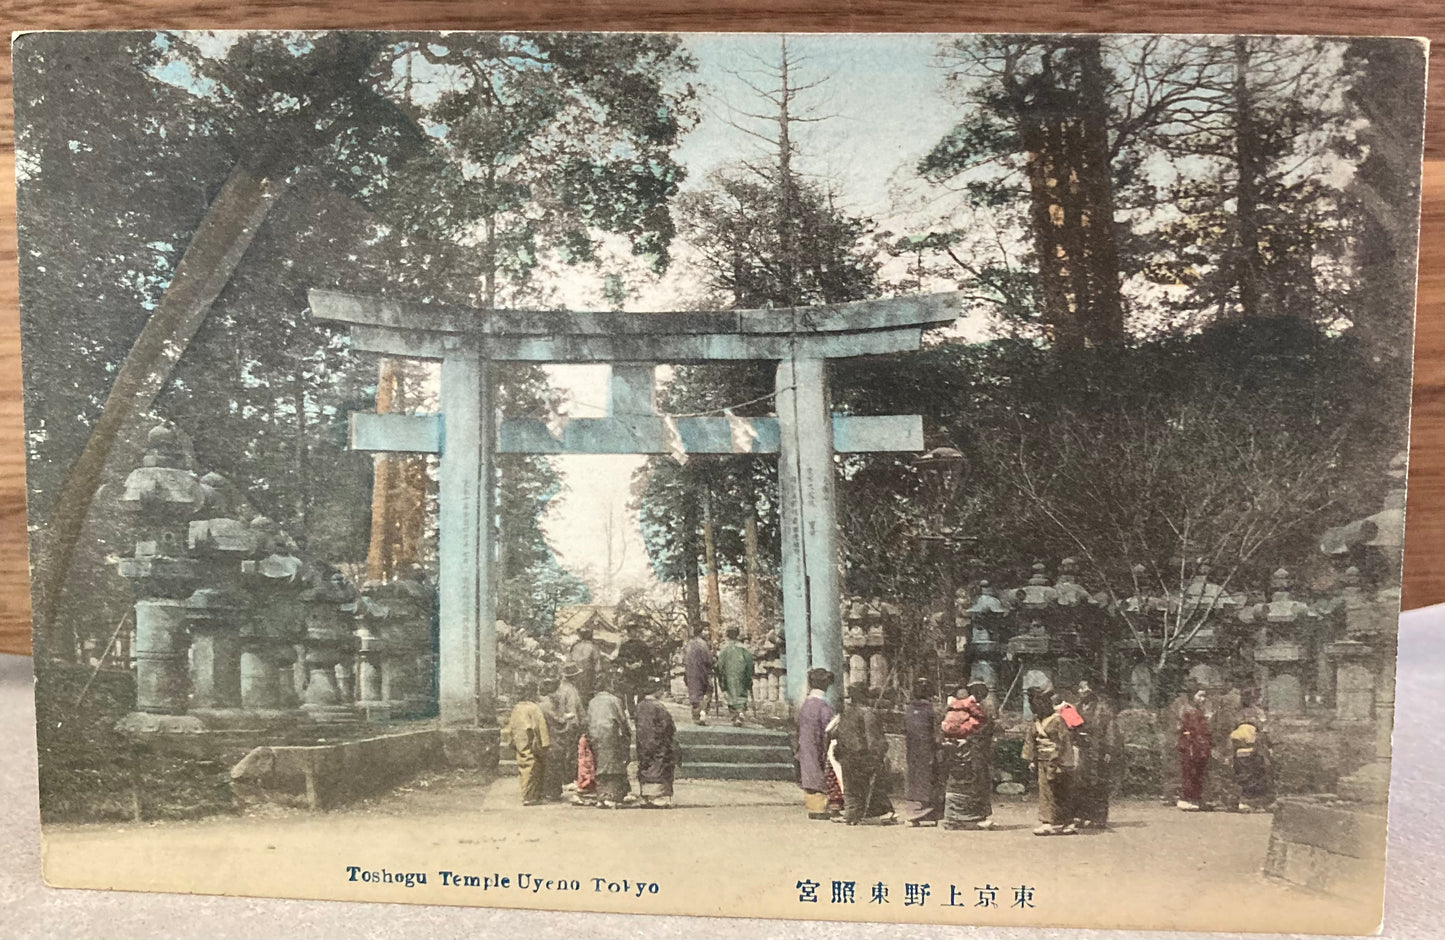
[149,723]
[472,748]
[321,776]
[331,714]
[1329,846]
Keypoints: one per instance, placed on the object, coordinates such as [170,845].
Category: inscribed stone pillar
[214,616]
[877,671]
[810,583]
[1354,692]
[466,596]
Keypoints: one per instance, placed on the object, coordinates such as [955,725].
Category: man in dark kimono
[611,739]
[922,739]
[527,733]
[968,732]
[697,666]
[635,666]
[567,701]
[1049,750]
[554,775]
[563,707]
[813,717]
[862,752]
[657,752]
[585,655]
[1195,744]
[735,675]
[1101,755]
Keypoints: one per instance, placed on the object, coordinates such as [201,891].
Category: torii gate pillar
[812,620]
[467,648]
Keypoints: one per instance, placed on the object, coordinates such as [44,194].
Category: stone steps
[727,771]
[736,753]
[717,752]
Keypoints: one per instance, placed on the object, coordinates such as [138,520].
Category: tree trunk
[204,270]
[709,548]
[692,599]
[398,491]
[750,546]
[1041,136]
[303,488]
[1248,163]
[1099,266]
[379,565]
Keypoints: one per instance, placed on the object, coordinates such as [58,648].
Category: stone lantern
[986,641]
[271,628]
[216,610]
[1280,656]
[163,496]
[396,650]
[329,603]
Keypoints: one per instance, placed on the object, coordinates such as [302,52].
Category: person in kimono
[586,792]
[588,659]
[968,732]
[566,703]
[1194,744]
[635,666]
[697,667]
[611,740]
[657,752]
[554,775]
[1101,756]
[1168,741]
[735,675]
[921,740]
[1249,746]
[814,716]
[862,752]
[1049,750]
[528,735]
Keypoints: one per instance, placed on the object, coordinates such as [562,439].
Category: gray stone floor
[27,908]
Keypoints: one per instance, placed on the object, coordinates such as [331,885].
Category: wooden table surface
[1425,529]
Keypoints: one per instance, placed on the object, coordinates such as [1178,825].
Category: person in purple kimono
[697,664]
[921,736]
[813,718]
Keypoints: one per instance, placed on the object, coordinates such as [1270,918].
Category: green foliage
[554,138]
[1277,412]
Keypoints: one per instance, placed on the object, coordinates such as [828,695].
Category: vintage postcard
[916,478]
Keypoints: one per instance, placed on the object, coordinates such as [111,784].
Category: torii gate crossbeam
[467,435]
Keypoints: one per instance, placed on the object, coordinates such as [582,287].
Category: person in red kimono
[1195,746]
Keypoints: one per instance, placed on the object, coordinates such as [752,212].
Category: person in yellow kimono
[1049,749]
[530,740]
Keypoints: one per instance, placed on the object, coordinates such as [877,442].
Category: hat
[570,670]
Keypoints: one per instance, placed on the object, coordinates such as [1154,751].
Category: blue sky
[882,90]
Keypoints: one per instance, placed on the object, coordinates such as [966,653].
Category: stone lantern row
[1053,632]
[232,623]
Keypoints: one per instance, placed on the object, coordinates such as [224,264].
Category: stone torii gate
[467,435]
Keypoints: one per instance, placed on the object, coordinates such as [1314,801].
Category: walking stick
[101,661]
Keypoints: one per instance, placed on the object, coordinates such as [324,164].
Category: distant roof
[596,616]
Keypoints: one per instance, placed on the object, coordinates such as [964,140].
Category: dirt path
[729,848]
